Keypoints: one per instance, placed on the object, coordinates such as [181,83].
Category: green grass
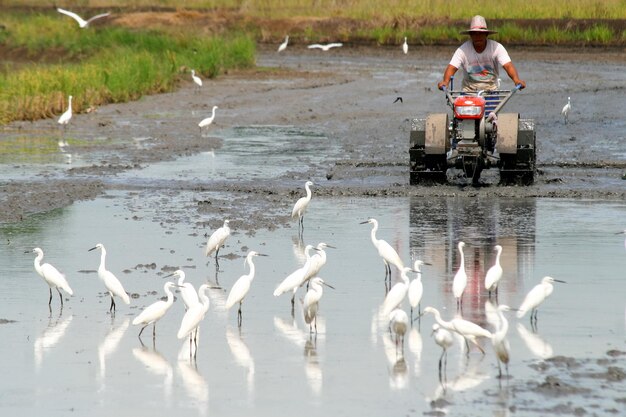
[103,66]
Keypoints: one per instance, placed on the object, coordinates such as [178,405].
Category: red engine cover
[469,107]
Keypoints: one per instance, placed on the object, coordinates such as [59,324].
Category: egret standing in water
[397,293]
[52,276]
[295,279]
[316,262]
[494,274]
[208,120]
[192,319]
[470,331]
[216,241]
[405,47]
[566,109]
[444,339]
[241,287]
[500,343]
[385,250]
[197,80]
[112,284]
[535,297]
[300,207]
[187,291]
[283,45]
[416,288]
[399,324]
[460,279]
[67,116]
[310,304]
[155,311]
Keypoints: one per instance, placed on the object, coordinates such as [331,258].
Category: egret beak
[366,221]
[558,280]
[329,286]
[331,246]
[95,247]
[428,263]
[261,254]
[170,275]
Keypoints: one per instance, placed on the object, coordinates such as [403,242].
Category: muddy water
[161,185]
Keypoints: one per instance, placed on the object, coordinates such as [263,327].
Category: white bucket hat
[478,24]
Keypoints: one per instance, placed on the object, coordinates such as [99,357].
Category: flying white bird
[566,109]
[52,276]
[196,79]
[217,239]
[81,22]
[155,311]
[241,287]
[494,274]
[405,47]
[460,279]
[67,116]
[283,45]
[112,284]
[208,120]
[325,47]
[310,304]
[535,297]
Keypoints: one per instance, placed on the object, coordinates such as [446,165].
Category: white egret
[300,207]
[310,304]
[241,287]
[397,293]
[500,343]
[460,279]
[566,109]
[208,120]
[399,324]
[325,47]
[283,45]
[494,274]
[444,339]
[535,297]
[416,288]
[112,284]
[187,291]
[405,47]
[385,250]
[155,311]
[192,319]
[470,331]
[317,261]
[67,116]
[197,80]
[52,276]
[216,240]
[82,22]
[296,278]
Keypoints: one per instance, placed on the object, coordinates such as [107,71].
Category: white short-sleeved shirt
[480,70]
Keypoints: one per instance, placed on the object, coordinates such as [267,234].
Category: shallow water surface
[82,359]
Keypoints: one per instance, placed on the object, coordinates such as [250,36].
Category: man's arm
[512,72]
[447,74]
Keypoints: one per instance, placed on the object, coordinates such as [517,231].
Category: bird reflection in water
[312,368]
[110,343]
[415,347]
[535,343]
[157,365]
[195,385]
[396,363]
[50,337]
[242,355]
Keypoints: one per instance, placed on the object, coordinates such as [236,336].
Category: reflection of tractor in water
[478,137]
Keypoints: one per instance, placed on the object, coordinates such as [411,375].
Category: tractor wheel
[429,144]
[517,148]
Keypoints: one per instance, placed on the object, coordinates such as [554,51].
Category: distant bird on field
[208,120]
[67,116]
[196,79]
[326,47]
[81,22]
[398,99]
[216,240]
[283,45]
[405,47]
[566,109]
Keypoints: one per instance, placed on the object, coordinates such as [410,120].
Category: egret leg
[499,370]
[60,296]
[239,315]
[50,299]
[141,331]
[112,308]
[217,263]
[293,304]
[153,331]
[315,324]
[443,353]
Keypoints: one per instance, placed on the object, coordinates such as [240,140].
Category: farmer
[479,59]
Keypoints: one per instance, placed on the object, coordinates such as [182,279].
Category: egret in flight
[52,276]
[535,297]
[283,45]
[460,279]
[241,287]
[216,241]
[325,47]
[112,284]
[82,22]
[155,311]
[385,250]
[300,207]
[494,274]
[310,304]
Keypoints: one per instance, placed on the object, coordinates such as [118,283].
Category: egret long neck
[170,296]
[373,234]
[103,256]
[504,327]
[37,262]
[462,265]
[252,268]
